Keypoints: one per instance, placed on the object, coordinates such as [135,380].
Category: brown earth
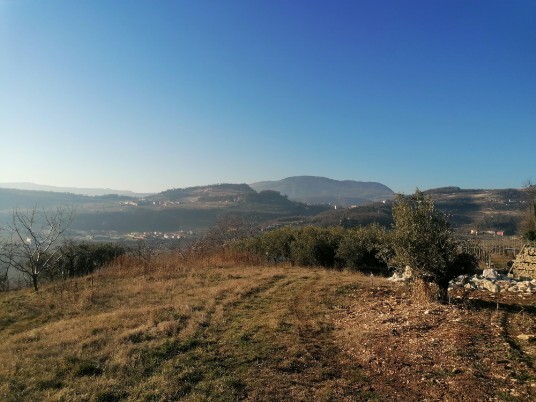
[468,350]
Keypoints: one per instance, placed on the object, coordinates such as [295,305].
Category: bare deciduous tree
[145,251]
[33,240]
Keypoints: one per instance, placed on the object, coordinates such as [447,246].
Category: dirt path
[288,327]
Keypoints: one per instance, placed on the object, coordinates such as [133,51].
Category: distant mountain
[321,190]
[490,210]
[197,209]
[73,190]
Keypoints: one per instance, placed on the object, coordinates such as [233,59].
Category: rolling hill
[483,210]
[321,190]
[193,208]
[199,208]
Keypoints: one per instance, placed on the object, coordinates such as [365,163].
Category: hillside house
[525,263]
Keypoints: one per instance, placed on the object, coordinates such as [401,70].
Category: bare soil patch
[469,350]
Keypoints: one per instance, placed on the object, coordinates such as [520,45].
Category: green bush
[315,246]
[276,245]
[364,248]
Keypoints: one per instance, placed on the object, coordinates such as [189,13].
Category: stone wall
[525,263]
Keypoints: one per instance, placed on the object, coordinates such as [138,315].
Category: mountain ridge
[323,190]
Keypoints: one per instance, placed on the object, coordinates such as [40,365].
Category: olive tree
[34,239]
[228,230]
[423,240]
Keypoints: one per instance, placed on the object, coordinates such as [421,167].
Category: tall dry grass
[216,326]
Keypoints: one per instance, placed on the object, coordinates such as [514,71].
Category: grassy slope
[214,332]
[202,333]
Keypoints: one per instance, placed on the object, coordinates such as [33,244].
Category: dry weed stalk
[423,292]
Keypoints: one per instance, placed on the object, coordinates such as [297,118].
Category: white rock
[397,277]
[489,285]
[489,273]
[462,279]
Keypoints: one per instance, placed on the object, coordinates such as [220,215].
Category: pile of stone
[492,281]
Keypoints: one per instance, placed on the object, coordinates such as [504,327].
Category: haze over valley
[298,201]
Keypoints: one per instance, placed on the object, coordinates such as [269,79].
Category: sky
[151,95]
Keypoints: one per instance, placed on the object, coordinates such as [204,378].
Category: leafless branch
[33,240]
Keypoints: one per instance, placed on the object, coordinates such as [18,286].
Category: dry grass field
[218,330]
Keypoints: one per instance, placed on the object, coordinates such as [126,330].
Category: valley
[192,211]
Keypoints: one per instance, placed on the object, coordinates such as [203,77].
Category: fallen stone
[461,280]
[489,285]
[397,278]
[490,273]
[527,337]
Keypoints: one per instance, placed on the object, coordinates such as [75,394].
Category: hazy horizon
[47,187]
[147,96]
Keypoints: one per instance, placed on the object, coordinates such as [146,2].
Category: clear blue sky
[149,95]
